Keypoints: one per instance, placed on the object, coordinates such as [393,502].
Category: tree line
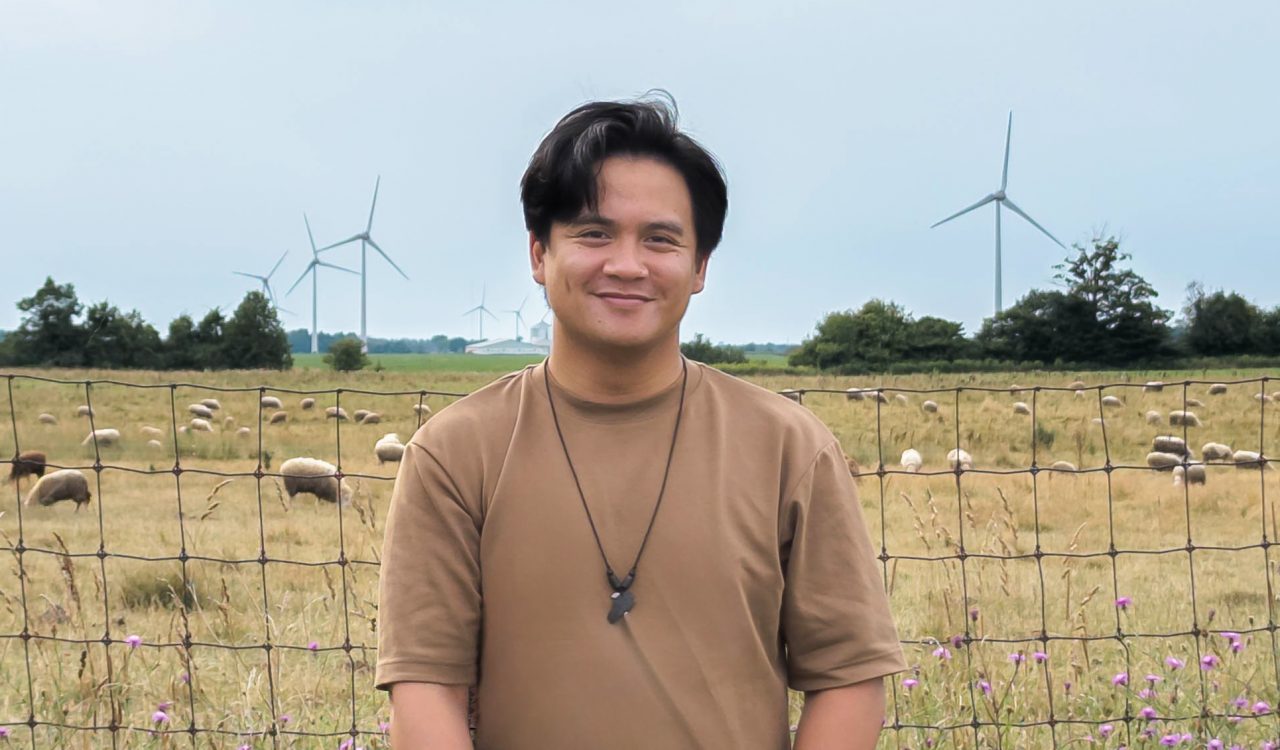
[1104,315]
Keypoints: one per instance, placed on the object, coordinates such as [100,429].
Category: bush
[347,355]
[702,350]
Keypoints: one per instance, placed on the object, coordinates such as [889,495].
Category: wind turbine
[311,269]
[366,240]
[481,311]
[519,316]
[1000,198]
[266,282]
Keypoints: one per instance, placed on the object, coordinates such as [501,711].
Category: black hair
[561,180]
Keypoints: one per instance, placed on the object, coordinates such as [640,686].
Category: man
[620,548]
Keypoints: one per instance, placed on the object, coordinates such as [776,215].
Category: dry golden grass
[1037,573]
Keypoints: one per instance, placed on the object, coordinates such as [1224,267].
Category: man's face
[621,278]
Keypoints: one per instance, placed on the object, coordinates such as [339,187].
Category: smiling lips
[621,299]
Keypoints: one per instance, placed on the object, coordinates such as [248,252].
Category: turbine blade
[468,312]
[521,307]
[309,235]
[369,228]
[277,265]
[1010,205]
[352,238]
[249,275]
[1008,134]
[387,258]
[486,311]
[310,266]
[340,268]
[962,212]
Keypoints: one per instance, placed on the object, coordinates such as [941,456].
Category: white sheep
[1079,394]
[372,417]
[1170,444]
[1217,389]
[1077,385]
[1154,417]
[83,410]
[359,414]
[852,394]
[1153,386]
[1163,461]
[1065,466]
[103,436]
[1112,401]
[335,412]
[244,432]
[959,458]
[201,425]
[211,403]
[155,445]
[47,418]
[422,410]
[1215,452]
[1248,460]
[315,477]
[279,417]
[307,404]
[1195,402]
[1194,474]
[930,407]
[902,399]
[151,432]
[1181,418]
[1020,407]
[64,484]
[911,460]
[228,422]
[270,402]
[200,410]
[1262,397]
[1015,389]
[388,448]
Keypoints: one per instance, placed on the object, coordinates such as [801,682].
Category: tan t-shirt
[758,574]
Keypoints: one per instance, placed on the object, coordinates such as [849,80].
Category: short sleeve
[429,582]
[835,617]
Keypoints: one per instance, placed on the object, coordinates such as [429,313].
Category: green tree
[346,355]
[207,340]
[874,337]
[702,350]
[180,345]
[49,333]
[119,340]
[253,337]
[1223,323]
[1043,326]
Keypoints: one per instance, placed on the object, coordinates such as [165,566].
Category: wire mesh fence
[1056,579]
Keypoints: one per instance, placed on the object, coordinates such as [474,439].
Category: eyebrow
[594,218]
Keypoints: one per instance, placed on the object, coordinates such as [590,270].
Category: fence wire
[969,711]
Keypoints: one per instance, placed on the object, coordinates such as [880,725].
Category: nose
[626,261]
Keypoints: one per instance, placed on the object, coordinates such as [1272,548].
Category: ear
[537,259]
[700,275]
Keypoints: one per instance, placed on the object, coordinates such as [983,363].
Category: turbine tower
[365,241]
[519,316]
[266,282]
[1000,198]
[481,311]
[311,269]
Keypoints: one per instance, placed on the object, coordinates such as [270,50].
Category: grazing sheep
[1170,444]
[359,414]
[1197,403]
[1154,417]
[201,425]
[244,432]
[930,406]
[1153,386]
[1020,407]
[1217,389]
[1063,466]
[228,422]
[372,417]
[211,403]
[279,417]
[881,397]
[1112,401]
[1264,398]
[151,432]
[1248,460]
[1097,421]
[64,484]
[200,410]
[83,410]
[1183,418]
[315,477]
[911,460]
[854,394]
[307,404]
[335,412]
[388,448]
[155,445]
[1163,461]
[103,436]
[270,402]
[792,394]
[1194,474]
[423,410]
[183,429]
[1015,389]
[1077,385]
[27,464]
[1275,396]
[959,458]
[1079,394]
[1215,452]
[47,418]
[902,399]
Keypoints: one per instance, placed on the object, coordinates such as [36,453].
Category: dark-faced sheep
[315,477]
[64,484]
[27,464]
[1170,444]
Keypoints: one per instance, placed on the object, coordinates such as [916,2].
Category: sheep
[1262,397]
[103,436]
[1112,401]
[155,445]
[64,484]
[1066,466]
[1077,385]
[270,402]
[1153,386]
[1194,474]
[151,432]
[1163,461]
[27,464]
[958,458]
[1248,460]
[244,432]
[200,410]
[1170,444]
[83,410]
[1079,394]
[315,477]
[1020,407]
[930,407]
[852,394]
[1275,396]
[1195,402]
[1217,389]
[388,448]
[422,410]
[228,422]
[359,414]
[902,399]
[47,418]
[1097,421]
[792,394]
[307,404]
[335,412]
[1215,452]
[372,417]
[201,425]
[1154,417]
[879,396]
[1015,390]
[211,403]
[183,429]
[1181,418]
[911,460]
[279,417]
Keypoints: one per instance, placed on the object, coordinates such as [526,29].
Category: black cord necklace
[623,599]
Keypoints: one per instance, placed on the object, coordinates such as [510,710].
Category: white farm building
[539,343]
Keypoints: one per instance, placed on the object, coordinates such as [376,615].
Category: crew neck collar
[649,407]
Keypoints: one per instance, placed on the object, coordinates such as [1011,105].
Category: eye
[592,234]
[662,239]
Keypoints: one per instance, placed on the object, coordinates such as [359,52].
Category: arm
[843,718]
[429,716]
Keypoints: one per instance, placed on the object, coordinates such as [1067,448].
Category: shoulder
[753,409]
[478,419]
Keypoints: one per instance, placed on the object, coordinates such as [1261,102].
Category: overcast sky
[148,149]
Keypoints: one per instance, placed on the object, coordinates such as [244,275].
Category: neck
[614,376]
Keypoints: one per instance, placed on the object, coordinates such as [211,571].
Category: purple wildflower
[1017,657]
[1120,679]
[957,641]
[1040,657]
[4,733]
[1240,702]
[985,687]
[1214,744]
[313,646]
[185,678]
[1237,646]
[384,726]
[910,682]
[133,640]
[1147,713]
[1105,730]
[1146,693]
[1261,707]
[1209,661]
[1169,740]
[1123,602]
[1173,662]
[346,744]
[284,719]
[159,717]
[942,652]
[973,613]
[1154,678]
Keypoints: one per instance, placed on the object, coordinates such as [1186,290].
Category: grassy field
[471,363]
[1046,557]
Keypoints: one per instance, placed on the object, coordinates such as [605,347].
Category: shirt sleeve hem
[849,674]
[389,673]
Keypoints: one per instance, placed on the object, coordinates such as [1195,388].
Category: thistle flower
[942,652]
[1040,657]
[957,641]
[133,640]
[1017,657]
[1214,744]
[910,682]
[1169,740]
[1154,678]
[973,613]
[1261,707]
[1147,712]
[1123,602]
[4,733]
[1209,661]
[1105,730]
[313,646]
[284,719]
[159,717]
[1120,679]
[347,744]
[1173,662]
[985,687]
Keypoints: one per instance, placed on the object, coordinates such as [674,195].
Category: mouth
[620,299]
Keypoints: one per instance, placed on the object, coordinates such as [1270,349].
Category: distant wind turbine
[1000,198]
[366,240]
[266,282]
[519,317]
[311,269]
[481,311]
